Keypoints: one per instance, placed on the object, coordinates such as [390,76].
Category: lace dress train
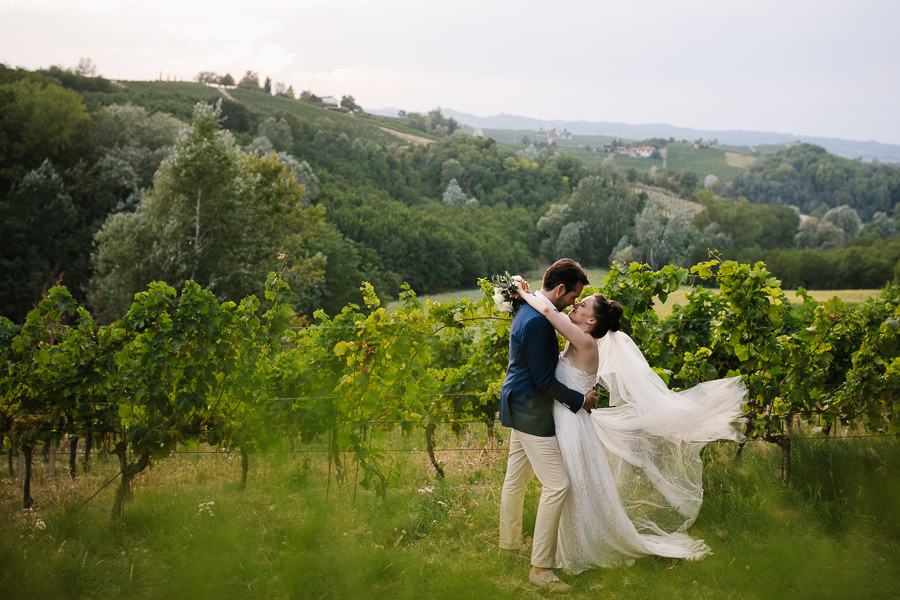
[635,468]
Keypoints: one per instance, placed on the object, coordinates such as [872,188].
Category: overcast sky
[813,68]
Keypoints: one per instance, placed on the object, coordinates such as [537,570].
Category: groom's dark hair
[564,271]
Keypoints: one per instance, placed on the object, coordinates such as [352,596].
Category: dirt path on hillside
[226,93]
[412,139]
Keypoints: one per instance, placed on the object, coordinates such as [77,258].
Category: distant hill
[868,151]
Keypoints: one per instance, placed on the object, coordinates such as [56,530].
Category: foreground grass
[191,533]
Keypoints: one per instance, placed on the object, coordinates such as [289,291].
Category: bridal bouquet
[505,295]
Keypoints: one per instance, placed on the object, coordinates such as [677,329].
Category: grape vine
[184,368]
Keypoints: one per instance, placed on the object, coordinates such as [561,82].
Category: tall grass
[191,533]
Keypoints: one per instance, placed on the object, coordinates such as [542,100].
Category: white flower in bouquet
[505,294]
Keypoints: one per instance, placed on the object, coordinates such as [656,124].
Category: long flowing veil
[653,435]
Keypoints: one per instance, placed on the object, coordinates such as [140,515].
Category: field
[723,162]
[190,532]
[702,161]
[595,158]
[663,310]
[848,296]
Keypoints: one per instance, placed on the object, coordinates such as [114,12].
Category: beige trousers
[531,455]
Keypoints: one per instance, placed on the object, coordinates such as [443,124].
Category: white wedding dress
[635,468]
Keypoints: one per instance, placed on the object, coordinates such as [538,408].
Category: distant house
[643,151]
[553,134]
[329,101]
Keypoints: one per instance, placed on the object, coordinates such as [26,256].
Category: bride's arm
[559,320]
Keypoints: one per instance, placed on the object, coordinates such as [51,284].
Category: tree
[830,236]
[751,227]
[712,238]
[689,182]
[38,122]
[549,227]
[433,123]
[649,233]
[309,97]
[215,216]
[573,241]
[451,170]
[454,196]
[207,77]
[250,81]
[608,209]
[227,79]
[128,144]
[807,235]
[881,227]
[278,131]
[284,91]
[54,210]
[828,233]
[86,67]
[38,228]
[349,104]
[844,218]
[662,234]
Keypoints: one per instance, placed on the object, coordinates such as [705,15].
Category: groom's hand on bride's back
[590,401]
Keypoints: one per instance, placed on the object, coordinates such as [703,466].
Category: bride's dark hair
[608,314]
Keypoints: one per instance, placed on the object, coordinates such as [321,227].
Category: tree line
[808,177]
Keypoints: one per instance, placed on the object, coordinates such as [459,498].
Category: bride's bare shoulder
[587,343]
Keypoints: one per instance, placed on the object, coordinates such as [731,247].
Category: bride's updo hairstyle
[608,314]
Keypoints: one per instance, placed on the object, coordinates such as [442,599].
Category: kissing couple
[619,482]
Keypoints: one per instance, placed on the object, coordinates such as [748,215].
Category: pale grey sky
[827,68]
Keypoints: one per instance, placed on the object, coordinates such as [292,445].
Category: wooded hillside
[271,182]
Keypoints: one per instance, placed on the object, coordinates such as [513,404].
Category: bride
[635,468]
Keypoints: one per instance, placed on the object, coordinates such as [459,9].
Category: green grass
[597,275]
[851,297]
[398,125]
[833,533]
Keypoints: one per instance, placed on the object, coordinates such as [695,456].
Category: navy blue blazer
[530,386]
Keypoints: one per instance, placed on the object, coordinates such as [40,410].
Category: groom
[526,406]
